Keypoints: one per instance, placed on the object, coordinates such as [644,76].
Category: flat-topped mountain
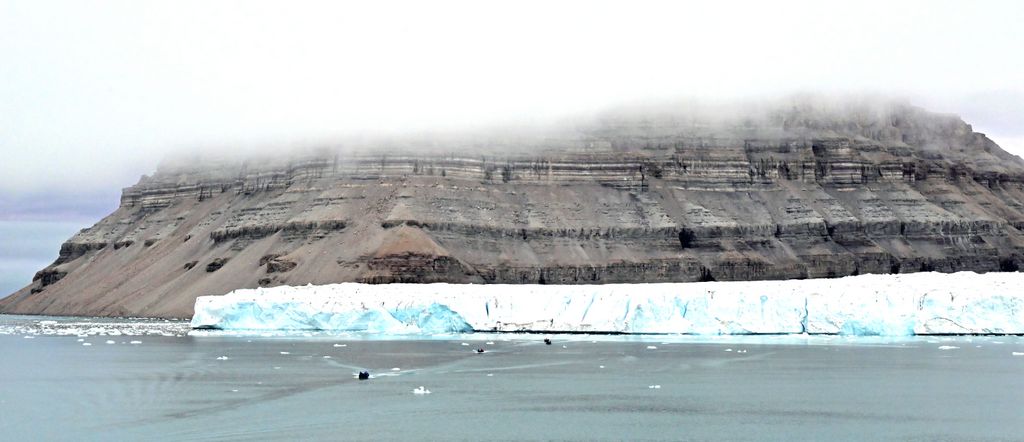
[808,189]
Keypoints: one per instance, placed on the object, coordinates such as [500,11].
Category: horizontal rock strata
[806,191]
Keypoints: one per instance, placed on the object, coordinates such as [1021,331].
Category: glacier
[873,305]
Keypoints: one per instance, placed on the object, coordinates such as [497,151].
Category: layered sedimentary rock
[805,190]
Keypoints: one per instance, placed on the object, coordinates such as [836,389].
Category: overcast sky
[93,93]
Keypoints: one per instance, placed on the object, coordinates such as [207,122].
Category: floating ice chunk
[29,337]
[420,390]
[86,344]
[1018,353]
[135,342]
[341,345]
[286,352]
[600,366]
[326,357]
[490,375]
[465,344]
[948,347]
[728,349]
[111,342]
[654,387]
[396,369]
[222,358]
[652,347]
[489,342]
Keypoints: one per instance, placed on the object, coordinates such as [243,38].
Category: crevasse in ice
[883,305]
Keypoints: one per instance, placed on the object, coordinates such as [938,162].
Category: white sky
[92,94]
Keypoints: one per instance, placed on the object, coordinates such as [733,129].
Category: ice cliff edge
[894,305]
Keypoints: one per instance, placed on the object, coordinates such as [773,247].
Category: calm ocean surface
[170,385]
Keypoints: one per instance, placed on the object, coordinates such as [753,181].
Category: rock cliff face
[808,190]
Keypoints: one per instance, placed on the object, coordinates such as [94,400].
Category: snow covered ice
[874,305]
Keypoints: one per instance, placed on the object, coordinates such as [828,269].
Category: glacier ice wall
[885,305]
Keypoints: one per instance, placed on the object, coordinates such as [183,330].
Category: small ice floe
[600,366]
[81,340]
[489,342]
[741,351]
[490,375]
[564,346]
[86,344]
[277,368]
[327,357]
[396,369]
[29,337]
[286,352]
[234,391]
[111,341]
[222,358]
[1017,353]
[341,345]
[652,347]
[420,390]
[654,387]
[135,342]
[465,344]
[948,347]
[728,349]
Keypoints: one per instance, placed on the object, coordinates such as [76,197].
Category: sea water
[156,380]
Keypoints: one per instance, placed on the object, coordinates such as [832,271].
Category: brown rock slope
[801,191]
